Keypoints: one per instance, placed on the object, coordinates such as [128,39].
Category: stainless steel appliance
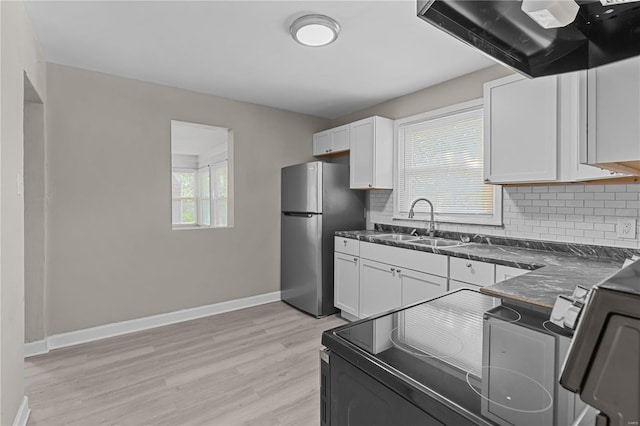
[599,34]
[603,364]
[316,202]
[464,358]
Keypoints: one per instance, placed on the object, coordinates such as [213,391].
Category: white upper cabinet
[520,130]
[614,117]
[573,131]
[331,141]
[371,156]
[535,128]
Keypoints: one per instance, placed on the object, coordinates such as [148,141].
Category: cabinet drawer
[347,246]
[430,263]
[472,271]
[457,285]
[505,272]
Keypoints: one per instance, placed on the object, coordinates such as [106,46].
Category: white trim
[38,347]
[140,324]
[22,416]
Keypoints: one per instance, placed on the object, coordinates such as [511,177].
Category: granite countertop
[552,273]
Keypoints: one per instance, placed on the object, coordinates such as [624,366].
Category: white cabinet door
[614,115]
[572,120]
[322,143]
[520,130]
[505,272]
[346,283]
[418,287]
[331,141]
[380,288]
[362,155]
[472,271]
[371,156]
[340,139]
[457,285]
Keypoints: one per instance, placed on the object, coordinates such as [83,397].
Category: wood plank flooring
[256,366]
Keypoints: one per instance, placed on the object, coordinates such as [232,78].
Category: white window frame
[399,126]
[196,198]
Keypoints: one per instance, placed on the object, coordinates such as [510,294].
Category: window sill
[195,228]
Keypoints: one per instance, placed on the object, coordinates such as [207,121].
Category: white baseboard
[23,413]
[140,324]
[38,347]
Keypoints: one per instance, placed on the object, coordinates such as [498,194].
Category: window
[440,157]
[201,169]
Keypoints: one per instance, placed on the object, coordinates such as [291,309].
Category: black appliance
[460,359]
[499,28]
[603,364]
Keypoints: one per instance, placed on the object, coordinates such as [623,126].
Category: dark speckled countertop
[552,273]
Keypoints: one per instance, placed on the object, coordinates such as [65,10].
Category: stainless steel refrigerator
[316,202]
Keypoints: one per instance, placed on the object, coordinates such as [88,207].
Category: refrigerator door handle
[298,214]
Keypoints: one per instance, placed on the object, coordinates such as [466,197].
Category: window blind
[442,159]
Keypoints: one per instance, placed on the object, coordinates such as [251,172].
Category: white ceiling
[242,49]
[197,139]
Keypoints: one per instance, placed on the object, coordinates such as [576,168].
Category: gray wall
[21,59]
[34,217]
[111,253]
[451,92]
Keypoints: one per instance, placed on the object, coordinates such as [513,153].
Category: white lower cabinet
[457,285]
[472,271]
[505,272]
[346,283]
[380,288]
[418,286]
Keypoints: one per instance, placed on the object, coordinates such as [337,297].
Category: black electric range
[464,358]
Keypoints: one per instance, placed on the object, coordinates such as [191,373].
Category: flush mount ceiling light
[314,30]
[551,13]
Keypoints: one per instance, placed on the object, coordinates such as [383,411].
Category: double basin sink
[427,241]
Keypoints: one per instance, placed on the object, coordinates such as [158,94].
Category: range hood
[600,33]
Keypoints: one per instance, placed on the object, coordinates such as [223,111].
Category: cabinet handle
[468,265]
[487,180]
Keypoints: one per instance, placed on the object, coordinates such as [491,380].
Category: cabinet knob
[370,185]
[326,150]
[468,265]
[355,259]
[612,173]
[487,180]
[393,269]
[398,270]
[345,242]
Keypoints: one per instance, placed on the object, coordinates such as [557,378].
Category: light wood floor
[256,366]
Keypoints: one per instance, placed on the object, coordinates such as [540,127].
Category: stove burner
[506,317]
[529,396]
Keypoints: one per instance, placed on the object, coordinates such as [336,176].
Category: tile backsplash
[581,213]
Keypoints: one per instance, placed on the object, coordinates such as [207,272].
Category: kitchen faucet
[432,228]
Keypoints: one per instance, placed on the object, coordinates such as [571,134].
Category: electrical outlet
[627,228]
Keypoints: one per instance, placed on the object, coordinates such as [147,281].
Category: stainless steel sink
[396,237]
[436,242]
[427,241]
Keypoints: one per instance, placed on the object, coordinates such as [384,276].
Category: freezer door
[301,261]
[302,188]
